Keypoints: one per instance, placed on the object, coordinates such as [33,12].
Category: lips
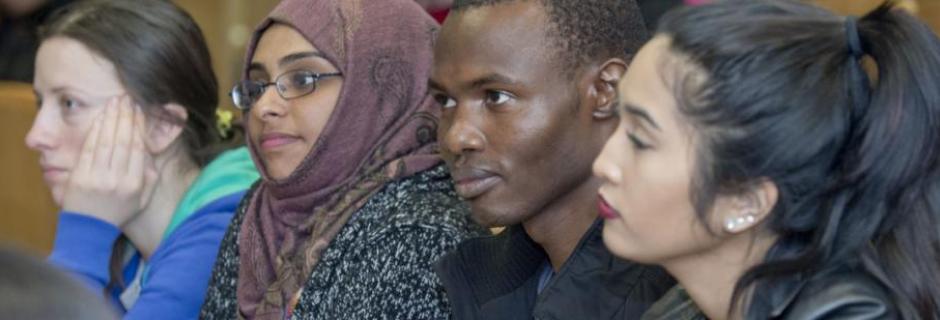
[472,183]
[605,210]
[50,173]
[271,141]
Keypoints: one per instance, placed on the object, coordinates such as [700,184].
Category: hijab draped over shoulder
[383,128]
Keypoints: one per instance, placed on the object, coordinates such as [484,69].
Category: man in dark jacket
[528,93]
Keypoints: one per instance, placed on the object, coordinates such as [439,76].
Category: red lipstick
[605,210]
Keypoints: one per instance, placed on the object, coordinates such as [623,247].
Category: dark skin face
[519,133]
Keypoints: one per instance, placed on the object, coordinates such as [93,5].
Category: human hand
[115,175]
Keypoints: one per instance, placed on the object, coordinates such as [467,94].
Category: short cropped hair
[587,30]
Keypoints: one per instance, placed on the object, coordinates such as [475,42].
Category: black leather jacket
[833,296]
[844,295]
[496,278]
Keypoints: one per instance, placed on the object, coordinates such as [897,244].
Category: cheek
[312,112]
[543,141]
[658,221]
[74,131]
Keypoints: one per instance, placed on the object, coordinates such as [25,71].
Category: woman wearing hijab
[354,205]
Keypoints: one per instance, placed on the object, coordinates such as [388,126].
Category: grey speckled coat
[379,266]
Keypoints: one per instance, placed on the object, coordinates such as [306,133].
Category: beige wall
[928,10]
[227,25]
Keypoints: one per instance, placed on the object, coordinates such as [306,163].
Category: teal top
[230,172]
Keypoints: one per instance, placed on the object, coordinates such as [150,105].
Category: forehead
[65,62]
[279,40]
[507,38]
[650,80]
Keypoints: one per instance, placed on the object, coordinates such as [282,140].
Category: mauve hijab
[383,128]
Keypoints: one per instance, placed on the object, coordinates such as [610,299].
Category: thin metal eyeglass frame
[264,85]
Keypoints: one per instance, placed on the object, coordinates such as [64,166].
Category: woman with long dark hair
[781,162]
[135,154]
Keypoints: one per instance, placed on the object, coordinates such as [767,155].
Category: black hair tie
[860,88]
[855,41]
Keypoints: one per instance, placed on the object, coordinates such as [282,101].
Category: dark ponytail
[854,155]
[896,165]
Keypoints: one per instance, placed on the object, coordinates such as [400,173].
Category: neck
[710,276]
[562,223]
[146,230]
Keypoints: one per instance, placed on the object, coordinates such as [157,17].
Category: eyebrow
[479,82]
[434,86]
[639,113]
[491,78]
[63,89]
[299,56]
[288,59]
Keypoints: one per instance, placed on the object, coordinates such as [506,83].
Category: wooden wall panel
[28,215]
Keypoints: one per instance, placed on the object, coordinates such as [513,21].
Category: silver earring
[732,224]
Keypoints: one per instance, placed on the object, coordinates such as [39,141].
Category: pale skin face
[73,86]
[284,131]
[98,154]
[647,168]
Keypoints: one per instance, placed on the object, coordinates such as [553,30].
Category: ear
[163,132]
[603,88]
[747,209]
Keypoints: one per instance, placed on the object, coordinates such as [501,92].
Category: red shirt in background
[439,14]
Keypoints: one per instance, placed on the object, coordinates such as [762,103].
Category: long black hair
[854,154]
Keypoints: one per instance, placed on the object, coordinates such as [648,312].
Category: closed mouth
[473,183]
[271,141]
[605,210]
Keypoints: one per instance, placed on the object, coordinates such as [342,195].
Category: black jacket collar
[496,277]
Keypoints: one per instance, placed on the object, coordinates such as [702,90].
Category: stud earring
[733,224]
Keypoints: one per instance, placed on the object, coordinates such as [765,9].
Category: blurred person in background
[19,35]
[135,153]
[437,8]
[32,289]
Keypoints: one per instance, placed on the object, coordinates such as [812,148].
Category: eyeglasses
[289,85]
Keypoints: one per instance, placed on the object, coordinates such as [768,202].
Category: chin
[57,195]
[619,245]
[278,175]
[492,216]
[278,171]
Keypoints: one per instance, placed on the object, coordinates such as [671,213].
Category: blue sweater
[177,274]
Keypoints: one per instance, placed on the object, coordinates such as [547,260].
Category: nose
[460,134]
[605,166]
[270,105]
[42,135]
